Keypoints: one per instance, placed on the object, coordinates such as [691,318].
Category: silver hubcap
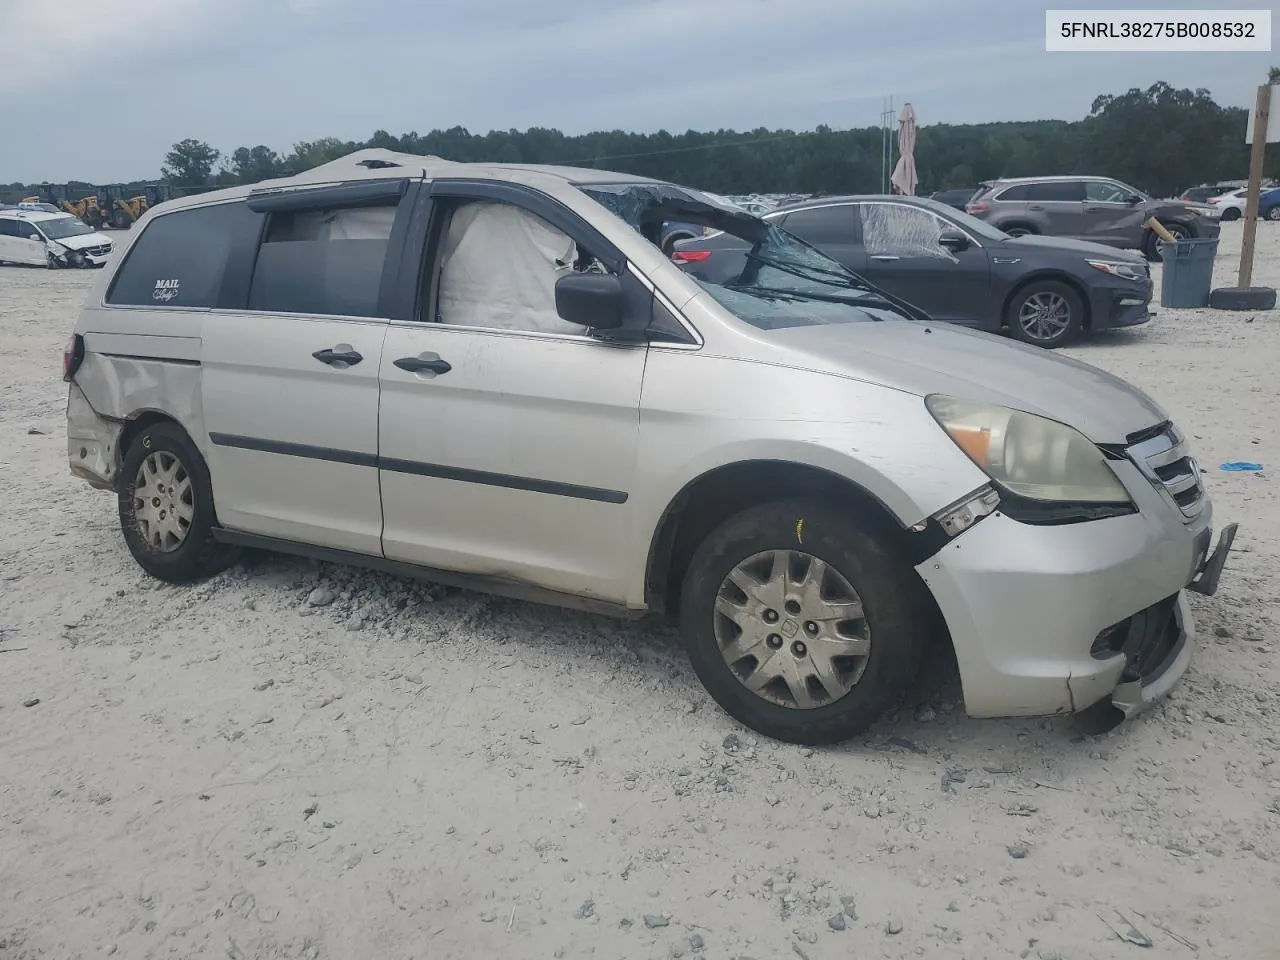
[1044,315]
[792,629]
[163,502]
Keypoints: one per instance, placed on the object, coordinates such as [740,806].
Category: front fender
[700,413]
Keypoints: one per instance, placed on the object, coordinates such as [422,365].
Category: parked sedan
[1097,209]
[956,268]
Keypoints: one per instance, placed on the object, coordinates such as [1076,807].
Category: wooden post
[1261,110]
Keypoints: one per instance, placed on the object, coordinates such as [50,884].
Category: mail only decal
[165,290]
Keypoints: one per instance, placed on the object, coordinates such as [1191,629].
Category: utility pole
[1244,295]
[1261,112]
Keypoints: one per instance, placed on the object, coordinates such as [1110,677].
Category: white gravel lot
[228,771]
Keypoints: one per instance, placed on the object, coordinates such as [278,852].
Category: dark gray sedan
[955,267]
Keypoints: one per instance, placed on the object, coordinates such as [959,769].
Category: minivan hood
[925,358]
[84,240]
[1083,247]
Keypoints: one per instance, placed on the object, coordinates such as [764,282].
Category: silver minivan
[490,376]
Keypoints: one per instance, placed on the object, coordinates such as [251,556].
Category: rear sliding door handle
[343,355]
[885,256]
[424,363]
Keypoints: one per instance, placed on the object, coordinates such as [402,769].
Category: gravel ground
[302,761]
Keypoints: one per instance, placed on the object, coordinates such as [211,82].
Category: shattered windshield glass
[760,273]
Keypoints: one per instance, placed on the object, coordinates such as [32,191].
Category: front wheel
[1273,213]
[1046,313]
[166,507]
[801,625]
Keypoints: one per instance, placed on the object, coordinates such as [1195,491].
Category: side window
[902,230]
[819,225]
[497,268]
[1104,191]
[180,257]
[1057,190]
[8,228]
[320,261]
[1018,192]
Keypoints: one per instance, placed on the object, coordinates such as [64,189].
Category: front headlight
[1119,268]
[1029,456]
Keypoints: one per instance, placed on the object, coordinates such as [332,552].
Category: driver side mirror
[953,240]
[35,237]
[592,300]
[1132,199]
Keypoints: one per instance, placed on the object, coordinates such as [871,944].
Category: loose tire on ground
[1250,298]
[1045,313]
[892,629]
[166,507]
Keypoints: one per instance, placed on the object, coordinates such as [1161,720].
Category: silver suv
[1088,208]
[490,376]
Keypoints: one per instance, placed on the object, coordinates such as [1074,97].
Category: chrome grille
[1161,454]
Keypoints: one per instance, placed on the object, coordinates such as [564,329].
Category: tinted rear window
[180,257]
[323,261]
[1068,190]
[821,225]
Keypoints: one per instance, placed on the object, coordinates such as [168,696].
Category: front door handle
[885,256]
[1035,206]
[343,355]
[424,363]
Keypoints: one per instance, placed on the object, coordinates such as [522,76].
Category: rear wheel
[1273,213]
[166,507]
[1019,230]
[800,624]
[1229,214]
[1046,313]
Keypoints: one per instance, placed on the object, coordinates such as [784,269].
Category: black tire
[1250,298]
[120,220]
[1020,230]
[1273,213]
[53,262]
[197,555]
[1046,289]
[895,602]
[1151,243]
[1229,214]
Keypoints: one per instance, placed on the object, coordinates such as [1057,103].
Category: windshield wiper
[850,281]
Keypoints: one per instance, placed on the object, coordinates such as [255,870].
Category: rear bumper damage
[93,442]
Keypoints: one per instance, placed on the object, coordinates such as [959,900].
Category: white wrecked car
[491,376]
[51,239]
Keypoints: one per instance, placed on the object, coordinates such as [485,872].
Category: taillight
[690,256]
[72,355]
[974,208]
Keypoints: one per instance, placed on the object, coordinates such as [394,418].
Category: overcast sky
[98,90]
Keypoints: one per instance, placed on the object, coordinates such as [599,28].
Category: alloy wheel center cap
[790,628]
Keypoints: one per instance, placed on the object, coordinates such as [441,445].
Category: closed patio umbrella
[904,177]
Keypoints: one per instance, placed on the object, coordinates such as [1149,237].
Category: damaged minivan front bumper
[1074,617]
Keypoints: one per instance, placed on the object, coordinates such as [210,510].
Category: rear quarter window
[819,225]
[180,258]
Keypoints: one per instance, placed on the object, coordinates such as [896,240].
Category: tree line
[1160,139]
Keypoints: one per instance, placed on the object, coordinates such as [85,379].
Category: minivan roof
[379,164]
[38,216]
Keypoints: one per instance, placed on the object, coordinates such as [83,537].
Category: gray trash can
[1188,272]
